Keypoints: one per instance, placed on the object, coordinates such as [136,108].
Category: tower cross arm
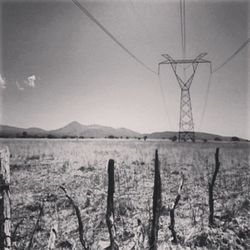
[198,59]
[185,61]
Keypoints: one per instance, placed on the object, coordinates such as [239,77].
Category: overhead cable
[110,35]
[142,24]
[214,71]
[181,16]
[184,29]
[206,100]
[164,102]
[232,56]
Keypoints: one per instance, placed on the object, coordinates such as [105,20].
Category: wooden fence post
[79,218]
[156,205]
[40,214]
[110,206]
[172,211]
[53,232]
[5,220]
[211,188]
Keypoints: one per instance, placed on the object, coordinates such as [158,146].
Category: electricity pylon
[186,123]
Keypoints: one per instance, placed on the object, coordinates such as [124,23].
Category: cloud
[2,82]
[31,81]
[19,86]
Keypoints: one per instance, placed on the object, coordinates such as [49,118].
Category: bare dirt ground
[39,167]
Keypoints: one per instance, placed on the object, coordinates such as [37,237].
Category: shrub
[174,138]
[25,134]
[217,139]
[235,138]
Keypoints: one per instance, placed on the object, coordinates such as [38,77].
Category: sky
[58,66]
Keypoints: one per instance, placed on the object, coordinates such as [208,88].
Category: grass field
[39,167]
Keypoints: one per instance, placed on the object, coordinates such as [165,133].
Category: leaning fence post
[211,188]
[110,205]
[53,232]
[156,205]
[5,222]
[79,218]
[172,211]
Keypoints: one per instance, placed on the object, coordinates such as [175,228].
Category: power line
[183,27]
[232,56]
[184,39]
[164,102]
[215,70]
[182,35]
[139,18]
[109,34]
[206,100]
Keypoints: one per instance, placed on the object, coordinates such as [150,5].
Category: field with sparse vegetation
[40,167]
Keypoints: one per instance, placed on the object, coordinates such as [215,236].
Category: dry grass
[39,167]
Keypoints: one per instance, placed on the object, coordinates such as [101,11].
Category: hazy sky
[58,66]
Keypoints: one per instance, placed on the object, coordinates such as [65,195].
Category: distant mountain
[9,131]
[73,129]
[36,131]
[76,129]
[96,131]
[200,136]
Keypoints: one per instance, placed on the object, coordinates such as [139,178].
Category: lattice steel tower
[186,123]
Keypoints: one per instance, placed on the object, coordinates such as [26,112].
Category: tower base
[185,136]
